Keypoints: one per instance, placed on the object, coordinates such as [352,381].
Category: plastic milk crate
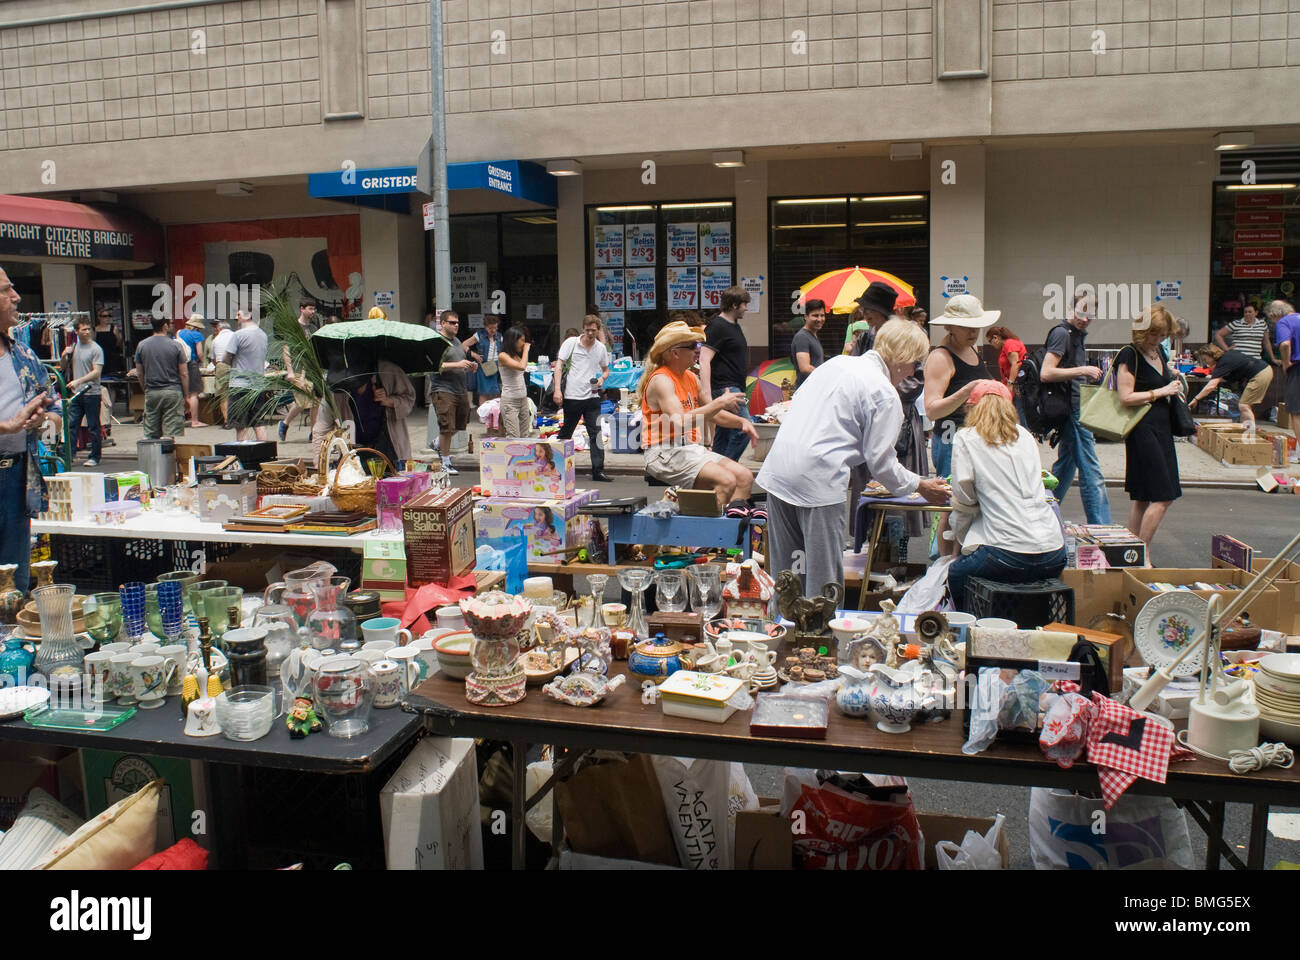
[1030,605]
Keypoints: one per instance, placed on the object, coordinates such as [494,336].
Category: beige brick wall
[1033,39]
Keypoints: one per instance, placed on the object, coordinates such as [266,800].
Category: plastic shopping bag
[927,593]
[870,827]
[702,798]
[504,553]
[1070,832]
[975,853]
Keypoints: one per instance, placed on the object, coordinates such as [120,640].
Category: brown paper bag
[615,809]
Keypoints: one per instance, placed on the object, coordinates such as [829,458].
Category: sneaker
[449,469]
[601,478]
[91,462]
[283,431]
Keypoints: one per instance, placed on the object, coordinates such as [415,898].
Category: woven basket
[359,497]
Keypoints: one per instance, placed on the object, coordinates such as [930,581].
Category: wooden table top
[933,750]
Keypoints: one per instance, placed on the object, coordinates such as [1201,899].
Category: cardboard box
[219,502]
[439,535]
[527,469]
[1256,453]
[430,810]
[1278,479]
[382,569]
[549,525]
[1207,430]
[1288,588]
[111,776]
[388,548]
[1097,593]
[1264,611]
[131,485]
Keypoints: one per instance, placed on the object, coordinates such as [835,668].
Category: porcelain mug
[385,629]
[150,677]
[615,614]
[175,654]
[388,683]
[99,671]
[450,617]
[120,671]
[379,646]
[148,649]
[117,646]
[415,669]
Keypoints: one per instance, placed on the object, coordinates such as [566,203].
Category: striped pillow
[42,825]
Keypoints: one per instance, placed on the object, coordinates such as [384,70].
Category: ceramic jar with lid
[657,658]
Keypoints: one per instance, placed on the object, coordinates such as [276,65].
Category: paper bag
[429,808]
[614,809]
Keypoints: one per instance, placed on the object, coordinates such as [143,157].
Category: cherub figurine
[302,719]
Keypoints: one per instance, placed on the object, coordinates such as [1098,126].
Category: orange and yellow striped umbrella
[841,288]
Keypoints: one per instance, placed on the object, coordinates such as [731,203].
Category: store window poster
[683,288]
[607,287]
[614,322]
[607,245]
[640,241]
[683,243]
[713,282]
[715,243]
[641,288]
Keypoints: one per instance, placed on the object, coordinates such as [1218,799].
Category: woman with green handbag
[1143,378]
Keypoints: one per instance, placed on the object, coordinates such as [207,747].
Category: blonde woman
[1000,516]
[1143,376]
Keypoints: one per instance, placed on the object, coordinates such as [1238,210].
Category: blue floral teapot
[17,659]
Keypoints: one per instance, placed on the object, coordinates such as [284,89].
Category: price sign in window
[715,243]
[713,282]
[641,288]
[639,243]
[608,289]
[683,243]
[607,245]
[683,288]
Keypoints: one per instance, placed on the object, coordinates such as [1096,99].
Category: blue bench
[724,532]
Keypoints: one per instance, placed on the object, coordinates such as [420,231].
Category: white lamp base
[1219,730]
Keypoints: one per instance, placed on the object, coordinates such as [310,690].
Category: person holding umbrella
[378,404]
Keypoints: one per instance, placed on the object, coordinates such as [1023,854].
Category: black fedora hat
[879,297]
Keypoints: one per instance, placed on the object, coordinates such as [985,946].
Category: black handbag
[1183,424]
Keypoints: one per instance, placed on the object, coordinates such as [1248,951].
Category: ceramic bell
[201,721]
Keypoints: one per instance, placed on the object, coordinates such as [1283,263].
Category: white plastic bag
[1070,832]
[927,593]
[539,817]
[702,798]
[975,853]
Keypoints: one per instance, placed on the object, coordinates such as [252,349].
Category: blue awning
[515,178]
[388,187]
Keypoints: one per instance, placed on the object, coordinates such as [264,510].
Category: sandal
[738,508]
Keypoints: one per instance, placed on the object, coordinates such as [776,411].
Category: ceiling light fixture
[784,203]
[1234,140]
[687,206]
[564,168]
[1261,186]
[905,151]
[890,199]
[729,158]
[623,209]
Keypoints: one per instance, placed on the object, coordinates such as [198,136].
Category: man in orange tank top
[670,403]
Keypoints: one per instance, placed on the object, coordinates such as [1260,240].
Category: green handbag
[1101,412]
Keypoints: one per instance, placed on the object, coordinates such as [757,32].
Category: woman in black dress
[1143,377]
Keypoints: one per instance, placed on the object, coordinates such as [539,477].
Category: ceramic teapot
[854,695]
[897,696]
[582,689]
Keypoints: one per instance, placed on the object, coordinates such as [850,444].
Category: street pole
[438,164]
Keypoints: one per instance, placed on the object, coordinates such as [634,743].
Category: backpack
[1047,406]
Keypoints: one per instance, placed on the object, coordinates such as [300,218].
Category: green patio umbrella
[354,348]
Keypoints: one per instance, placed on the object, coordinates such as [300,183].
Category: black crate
[104,563]
[1030,605]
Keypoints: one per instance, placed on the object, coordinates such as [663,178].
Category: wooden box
[682,627]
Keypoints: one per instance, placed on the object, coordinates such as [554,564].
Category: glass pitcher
[331,625]
[297,591]
[58,653]
[281,635]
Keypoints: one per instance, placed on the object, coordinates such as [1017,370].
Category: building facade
[1013,148]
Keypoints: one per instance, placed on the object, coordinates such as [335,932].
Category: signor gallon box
[438,526]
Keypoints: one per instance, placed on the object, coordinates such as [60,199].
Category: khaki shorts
[679,464]
[1257,387]
[223,379]
[452,410]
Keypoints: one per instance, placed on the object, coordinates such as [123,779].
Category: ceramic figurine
[582,689]
[884,629]
[594,651]
[811,615]
[201,718]
[11,598]
[42,575]
[749,593]
[302,719]
[189,693]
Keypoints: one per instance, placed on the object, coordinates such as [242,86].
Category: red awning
[33,227]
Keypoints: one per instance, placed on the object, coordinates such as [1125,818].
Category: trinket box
[798,718]
[699,696]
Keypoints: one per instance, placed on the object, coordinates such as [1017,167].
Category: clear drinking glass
[342,691]
[670,590]
[706,590]
[635,580]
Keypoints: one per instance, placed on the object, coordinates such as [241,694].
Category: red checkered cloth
[1124,745]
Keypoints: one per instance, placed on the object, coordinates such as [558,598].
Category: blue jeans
[80,407]
[729,441]
[1001,566]
[940,453]
[1078,452]
[15,524]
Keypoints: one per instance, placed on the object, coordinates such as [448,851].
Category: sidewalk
[1195,465]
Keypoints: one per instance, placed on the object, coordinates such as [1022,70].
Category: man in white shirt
[221,369]
[586,361]
[848,414]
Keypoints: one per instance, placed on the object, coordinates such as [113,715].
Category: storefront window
[815,235]
[646,260]
[1256,253]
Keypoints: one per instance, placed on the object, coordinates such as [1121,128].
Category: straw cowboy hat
[195,321]
[965,310]
[674,335]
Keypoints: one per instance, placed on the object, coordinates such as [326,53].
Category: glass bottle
[59,653]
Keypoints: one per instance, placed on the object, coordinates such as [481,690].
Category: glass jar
[59,653]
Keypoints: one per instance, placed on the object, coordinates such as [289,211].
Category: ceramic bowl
[743,630]
[995,623]
[848,628]
[1274,729]
[453,654]
[1282,666]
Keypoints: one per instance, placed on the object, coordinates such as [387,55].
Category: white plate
[14,700]
[1284,666]
[1279,730]
[1165,627]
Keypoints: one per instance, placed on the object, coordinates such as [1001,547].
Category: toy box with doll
[527,469]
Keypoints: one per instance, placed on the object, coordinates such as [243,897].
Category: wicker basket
[359,497]
[278,478]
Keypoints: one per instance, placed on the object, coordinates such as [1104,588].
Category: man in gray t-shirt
[806,349]
[160,365]
[245,351]
[87,364]
[449,411]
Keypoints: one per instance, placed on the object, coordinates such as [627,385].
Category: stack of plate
[1277,694]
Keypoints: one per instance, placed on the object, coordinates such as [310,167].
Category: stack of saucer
[1277,694]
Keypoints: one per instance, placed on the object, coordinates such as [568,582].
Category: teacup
[148,649]
[379,646]
[99,671]
[615,614]
[175,654]
[385,630]
[372,656]
[117,646]
[120,673]
[450,617]
[150,677]
[415,668]
[388,682]
[995,623]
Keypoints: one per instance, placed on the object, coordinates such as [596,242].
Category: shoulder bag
[1102,413]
